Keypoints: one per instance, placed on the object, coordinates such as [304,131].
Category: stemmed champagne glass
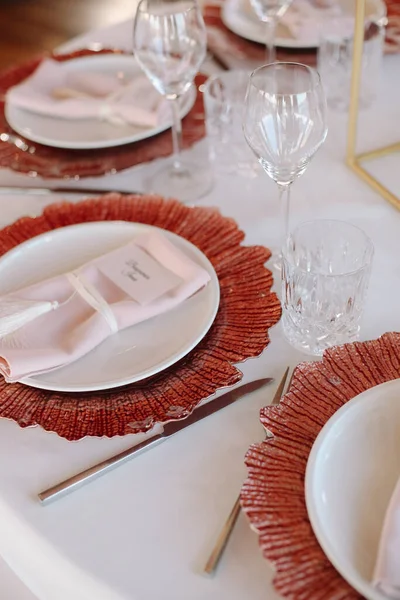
[285,123]
[169,42]
[269,12]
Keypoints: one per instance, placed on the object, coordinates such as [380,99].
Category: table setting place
[199,360]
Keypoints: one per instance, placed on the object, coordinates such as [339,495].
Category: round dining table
[144,531]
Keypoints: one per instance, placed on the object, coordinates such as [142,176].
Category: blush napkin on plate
[55,91]
[53,323]
[387,570]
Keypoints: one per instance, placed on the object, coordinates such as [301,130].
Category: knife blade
[41,191]
[169,429]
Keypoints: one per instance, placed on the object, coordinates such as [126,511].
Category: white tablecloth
[143,531]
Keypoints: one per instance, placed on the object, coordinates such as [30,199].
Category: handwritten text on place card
[138,274]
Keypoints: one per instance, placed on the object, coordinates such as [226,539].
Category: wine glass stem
[284,201]
[270,28]
[176,134]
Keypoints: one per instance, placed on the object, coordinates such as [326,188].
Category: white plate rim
[188,103]
[366,590]
[214,282]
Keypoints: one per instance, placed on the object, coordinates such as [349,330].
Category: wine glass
[170,42]
[269,12]
[285,123]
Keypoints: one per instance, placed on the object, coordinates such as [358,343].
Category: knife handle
[102,467]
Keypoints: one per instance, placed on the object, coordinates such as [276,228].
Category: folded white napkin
[55,91]
[387,569]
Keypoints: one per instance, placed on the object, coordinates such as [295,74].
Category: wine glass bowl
[285,118]
[270,9]
[285,123]
[170,43]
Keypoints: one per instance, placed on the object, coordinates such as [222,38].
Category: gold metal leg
[355,80]
[379,152]
[375,184]
[352,159]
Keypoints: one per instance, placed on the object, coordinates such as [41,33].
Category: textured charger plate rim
[55,237]
[13,114]
[273,495]
[248,309]
[351,576]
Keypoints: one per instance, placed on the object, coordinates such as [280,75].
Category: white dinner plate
[239,17]
[129,355]
[351,474]
[86,134]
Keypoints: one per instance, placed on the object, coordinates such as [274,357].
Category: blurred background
[30,27]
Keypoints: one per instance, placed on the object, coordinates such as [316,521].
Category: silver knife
[169,429]
[41,191]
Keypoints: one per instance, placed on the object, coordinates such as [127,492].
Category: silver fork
[226,531]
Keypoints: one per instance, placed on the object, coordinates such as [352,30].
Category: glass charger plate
[245,298]
[273,496]
[357,452]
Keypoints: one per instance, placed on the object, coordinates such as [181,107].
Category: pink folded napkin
[55,91]
[387,569]
[53,323]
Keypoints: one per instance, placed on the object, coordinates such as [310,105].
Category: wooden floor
[29,27]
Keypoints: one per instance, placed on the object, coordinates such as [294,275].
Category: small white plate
[134,353]
[351,474]
[239,17]
[86,134]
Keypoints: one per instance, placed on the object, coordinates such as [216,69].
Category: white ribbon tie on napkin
[54,91]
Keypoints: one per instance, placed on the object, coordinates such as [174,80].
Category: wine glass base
[187,183]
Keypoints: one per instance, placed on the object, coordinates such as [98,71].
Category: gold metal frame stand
[352,159]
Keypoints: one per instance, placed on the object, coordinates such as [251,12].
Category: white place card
[138,274]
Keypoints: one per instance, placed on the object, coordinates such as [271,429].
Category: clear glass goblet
[285,123]
[169,43]
[269,12]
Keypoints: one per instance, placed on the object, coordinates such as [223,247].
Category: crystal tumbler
[335,63]
[224,96]
[325,273]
